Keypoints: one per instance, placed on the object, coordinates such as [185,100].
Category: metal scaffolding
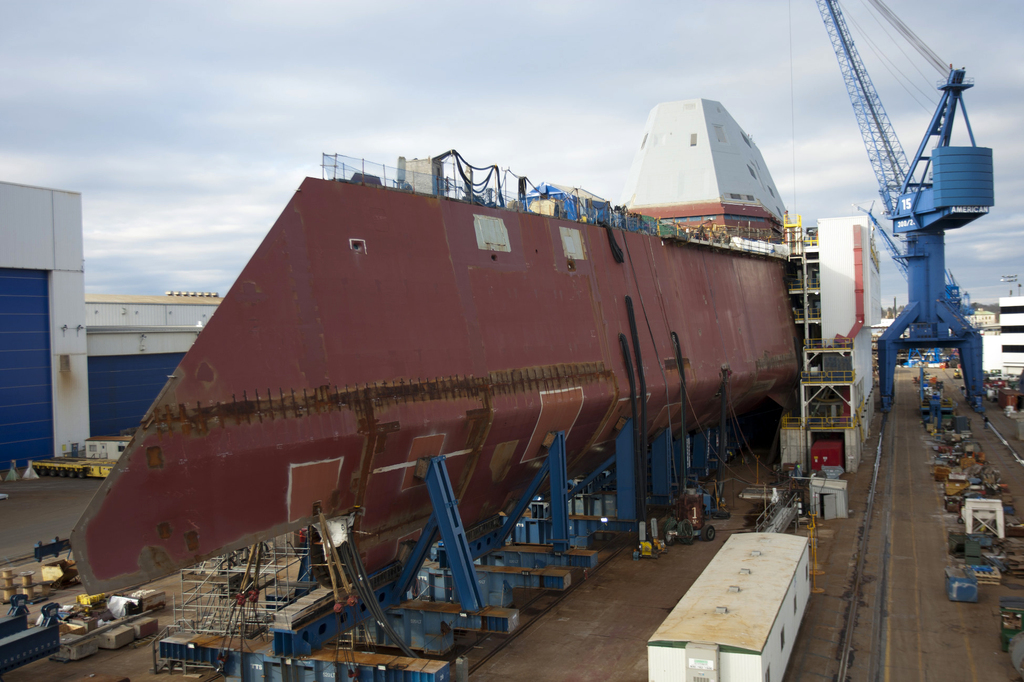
[213,601]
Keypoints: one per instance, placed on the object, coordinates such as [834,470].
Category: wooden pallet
[987,575]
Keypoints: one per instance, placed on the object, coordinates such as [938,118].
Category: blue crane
[945,187]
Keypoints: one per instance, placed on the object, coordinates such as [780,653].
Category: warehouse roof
[771,559]
[163,300]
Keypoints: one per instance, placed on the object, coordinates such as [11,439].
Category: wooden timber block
[76,651]
[144,627]
[88,623]
[116,638]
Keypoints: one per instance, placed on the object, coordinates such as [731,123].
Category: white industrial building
[992,351]
[74,366]
[739,620]
[1011,334]
[836,293]
[44,390]
[134,343]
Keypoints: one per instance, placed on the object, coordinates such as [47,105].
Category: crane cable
[911,37]
[891,67]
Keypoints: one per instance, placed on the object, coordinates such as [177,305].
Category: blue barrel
[962,176]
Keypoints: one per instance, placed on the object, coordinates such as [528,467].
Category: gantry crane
[943,188]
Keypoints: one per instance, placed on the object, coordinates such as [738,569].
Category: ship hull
[370,329]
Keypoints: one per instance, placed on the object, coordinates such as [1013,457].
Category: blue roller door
[122,387]
[26,403]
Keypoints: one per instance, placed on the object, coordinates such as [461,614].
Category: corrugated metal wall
[666,664]
[26,397]
[122,387]
[736,667]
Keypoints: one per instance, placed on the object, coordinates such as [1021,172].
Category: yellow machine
[92,599]
[650,548]
[77,467]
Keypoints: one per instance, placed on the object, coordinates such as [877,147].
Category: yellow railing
[792,422]
[821,344]
[796,286]
[830,422]
[799,314]
[811,241]
[795,423]
[834,377]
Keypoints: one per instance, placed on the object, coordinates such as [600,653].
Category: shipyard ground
[906,629]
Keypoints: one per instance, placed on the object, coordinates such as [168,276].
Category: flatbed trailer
[74,467]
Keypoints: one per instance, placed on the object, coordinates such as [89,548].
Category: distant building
[1011,327]
[982,318]
[74,365]
[135,343]
[44,406]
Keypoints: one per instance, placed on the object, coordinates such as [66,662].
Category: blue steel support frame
[453,533]
[601,468]
[625,482]
[661,468]
[415,560]
[478,547]
[560,537]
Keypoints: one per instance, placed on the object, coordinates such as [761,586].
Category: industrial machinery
[696,509]
[945,187]
[21,644]
[649,547]
[678,530]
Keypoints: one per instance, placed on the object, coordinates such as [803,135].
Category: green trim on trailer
[725,649]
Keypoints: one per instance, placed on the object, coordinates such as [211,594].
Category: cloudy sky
[188,125]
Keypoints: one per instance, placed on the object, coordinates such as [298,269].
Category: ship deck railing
[800,316]
[819,423]
[828,344]
[489,191]
[760,240]
[833,377]
[453,183]
[796,285]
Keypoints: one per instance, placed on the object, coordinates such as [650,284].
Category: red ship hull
[370,330]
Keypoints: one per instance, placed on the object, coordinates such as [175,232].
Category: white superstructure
[694,152]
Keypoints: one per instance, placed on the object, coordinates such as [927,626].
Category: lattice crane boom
[885,152]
